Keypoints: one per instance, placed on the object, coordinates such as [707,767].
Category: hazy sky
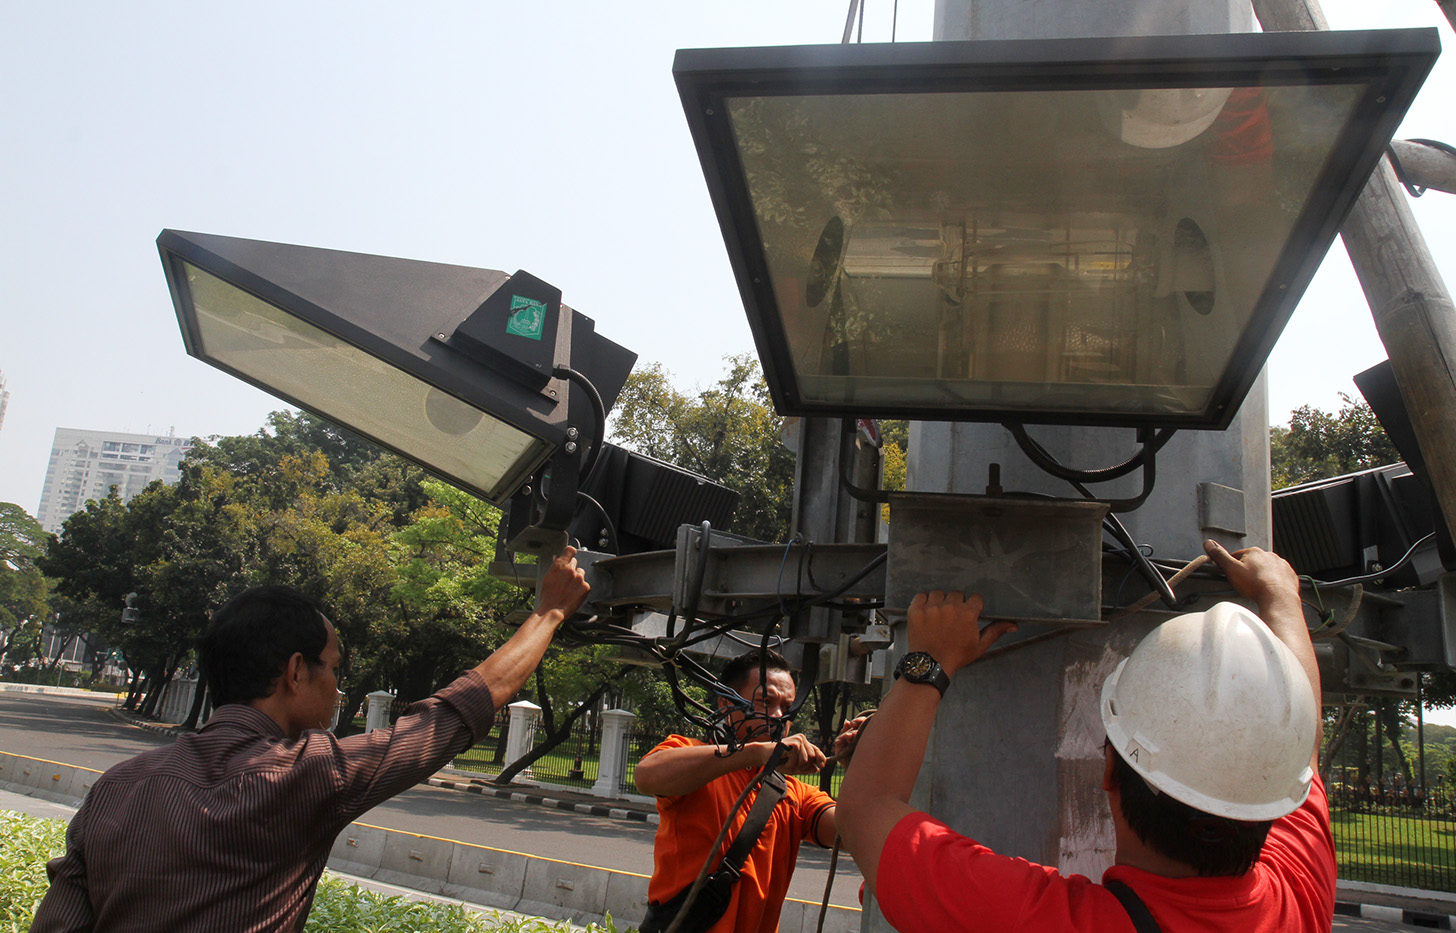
[542,136]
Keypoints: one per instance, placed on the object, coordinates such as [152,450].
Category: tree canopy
[728,432]
[1319,444]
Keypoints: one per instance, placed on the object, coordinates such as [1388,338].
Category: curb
[572,806]
[155,727]
[1387,914]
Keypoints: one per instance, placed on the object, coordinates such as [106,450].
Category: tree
[729,433]
[1319,445]
[22,540]
[23,588]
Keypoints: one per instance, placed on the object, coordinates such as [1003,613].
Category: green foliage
[729,433]
[1318,445]
[22,539]
[341,907]
[26,844]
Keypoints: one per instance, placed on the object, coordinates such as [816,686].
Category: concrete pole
[1412,309]
[612,770]
[1015,760]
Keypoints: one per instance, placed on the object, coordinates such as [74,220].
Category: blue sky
[542,136]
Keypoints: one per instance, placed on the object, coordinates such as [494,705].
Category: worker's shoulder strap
[770,792]
[1142,918]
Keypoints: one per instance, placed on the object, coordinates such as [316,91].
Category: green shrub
[27,843]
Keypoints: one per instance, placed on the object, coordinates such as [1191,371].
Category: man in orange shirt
[696,785]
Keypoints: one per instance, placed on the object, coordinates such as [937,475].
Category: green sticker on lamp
[527,318]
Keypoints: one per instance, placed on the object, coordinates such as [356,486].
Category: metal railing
[1401,838]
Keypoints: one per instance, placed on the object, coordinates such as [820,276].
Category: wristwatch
[918,667]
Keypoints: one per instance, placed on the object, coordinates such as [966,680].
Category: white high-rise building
[86,464]
[4,399]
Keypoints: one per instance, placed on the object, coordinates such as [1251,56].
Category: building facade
[86,464]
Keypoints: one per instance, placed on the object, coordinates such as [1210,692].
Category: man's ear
[294,676]
[1109,770]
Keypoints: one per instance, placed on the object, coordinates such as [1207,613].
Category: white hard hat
[1214,711]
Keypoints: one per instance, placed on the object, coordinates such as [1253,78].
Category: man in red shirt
[1217,829]
[696,785]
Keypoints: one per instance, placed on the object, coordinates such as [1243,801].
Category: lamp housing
[449,366]
[1078,231]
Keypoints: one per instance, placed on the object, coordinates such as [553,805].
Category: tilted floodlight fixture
[462,370]
[1092,231]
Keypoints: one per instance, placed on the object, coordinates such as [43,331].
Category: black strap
[770,792]
[1137,911]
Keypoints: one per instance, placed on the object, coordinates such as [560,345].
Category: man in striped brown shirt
[229,829]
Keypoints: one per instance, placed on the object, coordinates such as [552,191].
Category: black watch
[918,667]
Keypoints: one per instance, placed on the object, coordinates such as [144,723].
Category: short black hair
[1212,845]
[245,645]
[735,672]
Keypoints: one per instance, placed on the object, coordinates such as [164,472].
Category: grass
[1396,850]
[27,843]
[554,768]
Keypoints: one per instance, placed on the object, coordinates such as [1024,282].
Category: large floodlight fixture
[456,368]
[1094,231]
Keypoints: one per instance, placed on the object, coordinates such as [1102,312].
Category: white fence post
[376,710]
[612,772]
[524,715]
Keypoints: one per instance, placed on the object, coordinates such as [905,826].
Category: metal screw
[551,392]
[572,433]
[439,336]
[709,111]
[570,447]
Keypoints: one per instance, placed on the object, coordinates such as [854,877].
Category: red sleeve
[933,878]
[1301,851]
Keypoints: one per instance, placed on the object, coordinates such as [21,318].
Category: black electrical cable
[1369,577]
[1412,189]
[599,436]
[1037,454]
[1156,580]
[606,519]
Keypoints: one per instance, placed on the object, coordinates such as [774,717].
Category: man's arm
[877,786]
[1272,585]
[563,590]
[672,772]
[382,763]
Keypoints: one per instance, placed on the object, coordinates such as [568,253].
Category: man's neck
[275,709]
[1135,853]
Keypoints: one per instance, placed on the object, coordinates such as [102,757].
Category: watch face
[918,665]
